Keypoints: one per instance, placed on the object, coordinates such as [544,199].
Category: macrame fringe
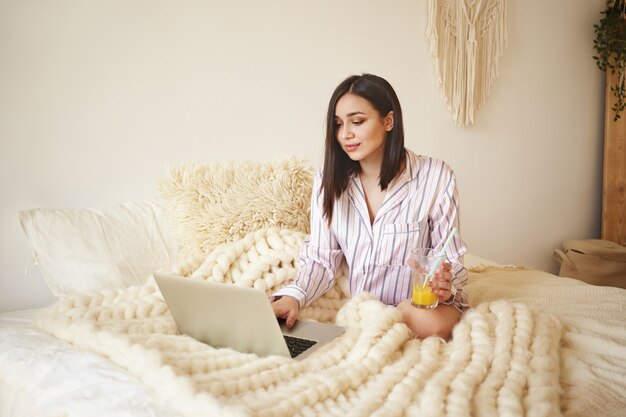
[467,38]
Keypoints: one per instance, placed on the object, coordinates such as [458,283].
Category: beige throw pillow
[211,204]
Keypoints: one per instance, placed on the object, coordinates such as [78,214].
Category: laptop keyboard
[297,345]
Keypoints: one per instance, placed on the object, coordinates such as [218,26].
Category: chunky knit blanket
[503,358]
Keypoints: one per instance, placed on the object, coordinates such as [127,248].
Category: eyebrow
[354,113]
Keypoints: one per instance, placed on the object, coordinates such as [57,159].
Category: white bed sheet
[41,376]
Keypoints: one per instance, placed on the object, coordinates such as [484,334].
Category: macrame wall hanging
[467,38]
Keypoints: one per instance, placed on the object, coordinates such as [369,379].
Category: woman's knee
[424,323]
[434,325]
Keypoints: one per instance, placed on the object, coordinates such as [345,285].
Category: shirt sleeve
[444,219]
[320,257]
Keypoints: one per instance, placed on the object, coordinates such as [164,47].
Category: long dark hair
[338,167]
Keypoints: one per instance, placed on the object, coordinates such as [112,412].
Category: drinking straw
[440,256]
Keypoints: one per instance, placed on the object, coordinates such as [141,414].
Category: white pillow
[87,250]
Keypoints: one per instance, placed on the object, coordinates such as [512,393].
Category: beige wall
[96,97]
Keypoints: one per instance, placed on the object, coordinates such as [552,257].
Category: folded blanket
[503,358]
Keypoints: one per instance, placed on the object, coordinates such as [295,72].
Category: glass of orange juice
[421,263]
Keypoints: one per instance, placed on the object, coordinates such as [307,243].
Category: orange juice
[422,263]
[422,297]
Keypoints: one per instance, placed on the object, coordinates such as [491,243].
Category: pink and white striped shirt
[419,210]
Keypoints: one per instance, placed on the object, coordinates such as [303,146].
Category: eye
[357,122]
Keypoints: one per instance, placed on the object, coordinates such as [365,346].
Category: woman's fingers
[442,284]
[286,308]
[291,317]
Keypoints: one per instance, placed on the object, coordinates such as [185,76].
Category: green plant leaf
[610,45]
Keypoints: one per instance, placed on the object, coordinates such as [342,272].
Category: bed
[533,343]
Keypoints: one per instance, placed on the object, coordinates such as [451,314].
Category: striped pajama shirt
[419,210]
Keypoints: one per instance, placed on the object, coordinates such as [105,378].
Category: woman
[372,203]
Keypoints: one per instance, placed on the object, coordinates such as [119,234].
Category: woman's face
[360,130]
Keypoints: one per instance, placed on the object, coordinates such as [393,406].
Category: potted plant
[610,44]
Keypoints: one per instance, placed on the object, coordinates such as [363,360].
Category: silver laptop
[225,315]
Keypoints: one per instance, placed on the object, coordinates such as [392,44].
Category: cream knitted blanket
[503,358]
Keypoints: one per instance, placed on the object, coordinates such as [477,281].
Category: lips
[351,147]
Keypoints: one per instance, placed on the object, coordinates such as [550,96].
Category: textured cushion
[208,205]
[87,250]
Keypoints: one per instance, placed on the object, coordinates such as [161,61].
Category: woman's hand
[286,308]
[441,284]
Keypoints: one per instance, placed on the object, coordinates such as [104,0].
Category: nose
[344,132]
